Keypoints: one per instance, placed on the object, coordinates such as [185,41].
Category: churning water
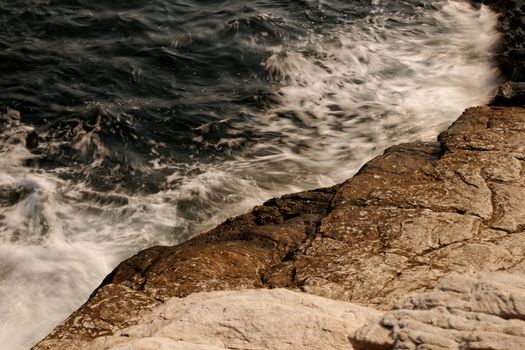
[130,123]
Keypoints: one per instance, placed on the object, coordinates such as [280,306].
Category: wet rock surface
[409,217]
[512,26]
[510,94]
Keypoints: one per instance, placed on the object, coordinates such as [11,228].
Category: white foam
[55,247]
[370,84]
[60,240]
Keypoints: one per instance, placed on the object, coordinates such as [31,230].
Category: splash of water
[349,94]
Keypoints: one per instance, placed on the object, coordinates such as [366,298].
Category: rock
[409,217]
[105,311]
[511,24]
[419,212]
[234,255]
[483,311]
[510,94]
[480,311]
[248,319]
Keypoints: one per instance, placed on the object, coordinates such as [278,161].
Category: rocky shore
[442,222]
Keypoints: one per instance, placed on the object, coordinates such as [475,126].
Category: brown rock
[421,211]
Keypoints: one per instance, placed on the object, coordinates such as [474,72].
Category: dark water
[146,75]
[131,123]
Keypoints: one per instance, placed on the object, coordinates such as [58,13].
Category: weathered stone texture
[422,211]
[245,320]
[480,311]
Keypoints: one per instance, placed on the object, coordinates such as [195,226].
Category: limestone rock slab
[480,311]
[247,319]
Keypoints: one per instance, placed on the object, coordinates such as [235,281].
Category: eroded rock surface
[419,212]
[408,218]
[248,319]
[481,311]
[234,255]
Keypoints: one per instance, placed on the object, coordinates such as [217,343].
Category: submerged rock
[408,218]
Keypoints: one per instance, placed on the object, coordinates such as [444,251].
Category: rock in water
[511,23]
[510,94]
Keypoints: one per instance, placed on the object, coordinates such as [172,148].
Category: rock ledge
[481,311]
